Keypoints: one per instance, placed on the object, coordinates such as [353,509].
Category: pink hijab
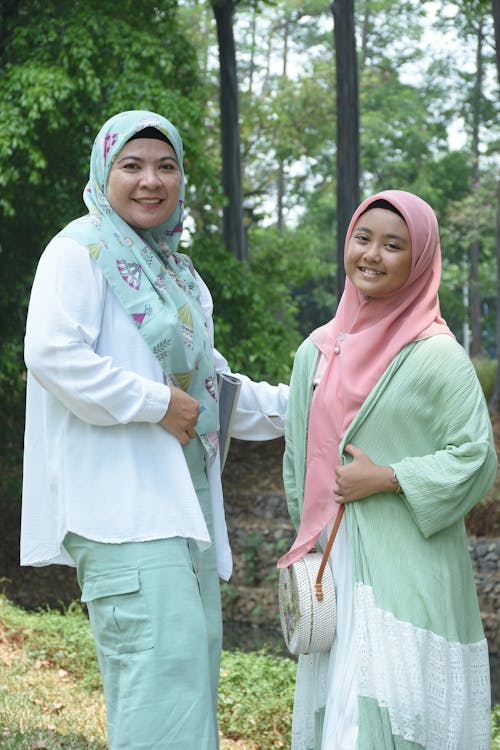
[358,344]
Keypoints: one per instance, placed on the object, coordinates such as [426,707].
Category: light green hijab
[153,282]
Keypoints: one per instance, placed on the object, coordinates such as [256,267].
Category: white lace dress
[333,673]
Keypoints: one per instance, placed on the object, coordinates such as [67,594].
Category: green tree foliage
[469,218]
[66,67]
[292,127]
[400,135]
[259,309]
[409,95]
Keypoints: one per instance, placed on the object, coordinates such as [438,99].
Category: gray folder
[229,389]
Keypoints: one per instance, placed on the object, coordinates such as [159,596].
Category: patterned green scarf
[152,281]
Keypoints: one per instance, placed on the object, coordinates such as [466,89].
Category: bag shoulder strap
[326,553]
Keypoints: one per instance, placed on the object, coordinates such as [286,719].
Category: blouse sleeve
[63,326]
[261,409]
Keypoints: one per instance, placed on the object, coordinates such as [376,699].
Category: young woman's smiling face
[144,182]
[378,255]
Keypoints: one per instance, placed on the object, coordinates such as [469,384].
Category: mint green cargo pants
[155,614]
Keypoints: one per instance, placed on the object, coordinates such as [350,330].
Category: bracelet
[395,481]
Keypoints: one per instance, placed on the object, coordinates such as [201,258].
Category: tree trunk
[347,125]
[280,181]
[495,7]
[495,396]
[233,229]
[475,246]
[476,342]
[251,71]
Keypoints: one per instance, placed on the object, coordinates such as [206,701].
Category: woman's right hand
[181,416]
[361,477]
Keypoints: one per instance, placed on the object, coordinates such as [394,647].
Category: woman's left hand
[361,477]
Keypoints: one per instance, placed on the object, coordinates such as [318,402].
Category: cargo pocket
[118,612]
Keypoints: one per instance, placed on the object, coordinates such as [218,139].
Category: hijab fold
[152,281]
[358,345]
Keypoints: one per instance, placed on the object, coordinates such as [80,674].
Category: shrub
[486,370]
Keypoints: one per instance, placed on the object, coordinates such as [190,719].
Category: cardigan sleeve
[441,486]
[296,425]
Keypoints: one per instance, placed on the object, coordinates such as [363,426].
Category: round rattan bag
[308,623]
[307,600]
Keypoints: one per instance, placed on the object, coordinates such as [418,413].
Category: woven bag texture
[308,625]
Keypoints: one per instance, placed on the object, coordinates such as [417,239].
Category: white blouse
[96,461]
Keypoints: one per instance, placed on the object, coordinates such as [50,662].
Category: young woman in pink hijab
[386,416]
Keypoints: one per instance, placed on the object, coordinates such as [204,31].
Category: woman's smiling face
[144,182]
[378,255]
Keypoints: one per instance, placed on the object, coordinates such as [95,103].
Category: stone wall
[485,555]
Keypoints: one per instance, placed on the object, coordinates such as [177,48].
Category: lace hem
[437,692]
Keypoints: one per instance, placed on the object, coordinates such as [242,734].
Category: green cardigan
[428,420]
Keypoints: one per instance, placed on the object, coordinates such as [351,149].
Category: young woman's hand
[181,416]
[361,477]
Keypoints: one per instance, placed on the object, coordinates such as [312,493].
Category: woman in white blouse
[121,463]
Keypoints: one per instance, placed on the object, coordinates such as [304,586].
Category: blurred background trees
[252,86]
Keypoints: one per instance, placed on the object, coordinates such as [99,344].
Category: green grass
[256,698]
[495,728]
[50,690]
